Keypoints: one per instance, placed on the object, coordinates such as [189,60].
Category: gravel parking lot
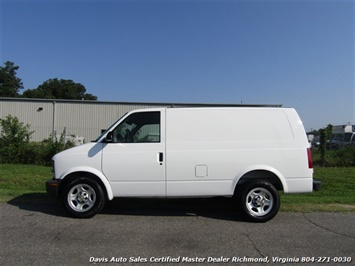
[169,232]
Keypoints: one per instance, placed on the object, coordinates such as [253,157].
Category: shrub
[41,153]
[53,145]
[342,157]
[14,140]
[16,148]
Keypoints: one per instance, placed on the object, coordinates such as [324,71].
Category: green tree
[14,139]
[9,83]
[59,89]
[324,135]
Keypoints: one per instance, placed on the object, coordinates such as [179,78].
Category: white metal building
[84,119]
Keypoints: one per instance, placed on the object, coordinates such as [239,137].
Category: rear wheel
[260,201]
[83,198]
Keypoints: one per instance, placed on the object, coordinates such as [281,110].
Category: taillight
[310,161]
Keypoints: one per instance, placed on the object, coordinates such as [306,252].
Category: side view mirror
[109,137]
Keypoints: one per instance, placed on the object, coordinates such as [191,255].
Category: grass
[337,192]
[17,180]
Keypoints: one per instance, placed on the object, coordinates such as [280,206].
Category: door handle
[161,157]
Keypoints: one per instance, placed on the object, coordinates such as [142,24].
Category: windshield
[347,136]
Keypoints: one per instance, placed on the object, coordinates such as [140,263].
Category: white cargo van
[244,152]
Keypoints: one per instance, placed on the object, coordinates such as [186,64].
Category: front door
[134,160]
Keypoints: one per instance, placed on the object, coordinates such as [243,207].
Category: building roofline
[171,104]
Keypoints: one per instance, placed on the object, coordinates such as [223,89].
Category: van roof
[223,105]
[162,104]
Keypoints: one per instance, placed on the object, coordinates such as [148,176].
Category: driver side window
[141,127]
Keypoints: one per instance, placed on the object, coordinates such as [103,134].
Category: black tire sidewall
[98,205]
[276,201]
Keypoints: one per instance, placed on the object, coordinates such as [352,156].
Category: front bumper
[316,185]
[52,187]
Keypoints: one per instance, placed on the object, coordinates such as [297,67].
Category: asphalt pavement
[170,232]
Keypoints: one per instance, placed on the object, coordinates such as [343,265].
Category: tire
[260,201]
[83,198]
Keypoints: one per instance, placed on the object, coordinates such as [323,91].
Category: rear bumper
[316,185]
[52,187]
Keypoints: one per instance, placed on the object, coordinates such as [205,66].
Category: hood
[88,149]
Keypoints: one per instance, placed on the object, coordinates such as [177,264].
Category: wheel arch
[92,174]
[261,174]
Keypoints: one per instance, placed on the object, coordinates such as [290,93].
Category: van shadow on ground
[38,202]
[216,208]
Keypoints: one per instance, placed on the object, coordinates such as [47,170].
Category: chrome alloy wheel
[81,197]
[259,201]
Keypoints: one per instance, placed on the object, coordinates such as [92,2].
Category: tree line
[10,86]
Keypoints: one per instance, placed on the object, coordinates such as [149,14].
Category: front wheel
[83,198]
[260,201]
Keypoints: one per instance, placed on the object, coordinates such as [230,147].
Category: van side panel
[198,125]
[208,150]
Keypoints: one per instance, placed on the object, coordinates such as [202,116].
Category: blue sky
[296,53]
